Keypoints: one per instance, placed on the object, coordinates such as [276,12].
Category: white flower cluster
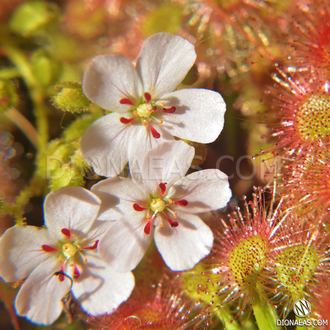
[93,239]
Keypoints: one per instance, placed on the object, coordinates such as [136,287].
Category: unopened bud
[70,97]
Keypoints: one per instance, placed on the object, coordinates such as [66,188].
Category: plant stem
[24,125]
[36,93]
[264,313]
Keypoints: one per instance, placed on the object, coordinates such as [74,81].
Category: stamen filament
[147,96]
[93,247]
[66,232]
[139,208]
[124,120]
[182,202]
[162,187]
[154,133]
[127,101]
[48,248]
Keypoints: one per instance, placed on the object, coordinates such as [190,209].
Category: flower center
[69,250]
[157,205]
[144,110]
[313,117]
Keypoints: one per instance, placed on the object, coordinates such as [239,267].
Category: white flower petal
[125,244]
[99,290]
[21,253]
[73,208]
[142,141]
[204,190]
[39,298]
[184,246]
[118,196]
[110,78]
[199,114]
[166,163]
[104,145]
[163,62]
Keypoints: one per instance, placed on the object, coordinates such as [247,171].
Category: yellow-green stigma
[157,205]
[248,258]
[69,250]
[313,117]
[144,110]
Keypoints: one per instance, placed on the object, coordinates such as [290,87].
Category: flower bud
[70,97]
[45,68]
[33,17]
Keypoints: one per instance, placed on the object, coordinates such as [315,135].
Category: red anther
[48,248]
[147,96]
[127,101]
[66,232]
[170,221]
[170,110]
[147,228]
[138,208]
[182,202]
[162,187]
[93,247]
[76,272]
[154,133]
[124,120]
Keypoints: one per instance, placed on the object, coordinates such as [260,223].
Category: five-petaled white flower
[160,202]
[146,110]
[62,257]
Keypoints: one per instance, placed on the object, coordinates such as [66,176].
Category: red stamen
[93,247]
[76,272]
[170,221]
[182,202]
[124,120]
[147,228]
[61,277]
[147,97]
[162,187]
[48,248]
[170,110]
[127,101]
[154,133]
[66,232]
[138,208]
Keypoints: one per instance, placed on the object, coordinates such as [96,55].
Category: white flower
[68,248]
[146,110]
[161,203]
